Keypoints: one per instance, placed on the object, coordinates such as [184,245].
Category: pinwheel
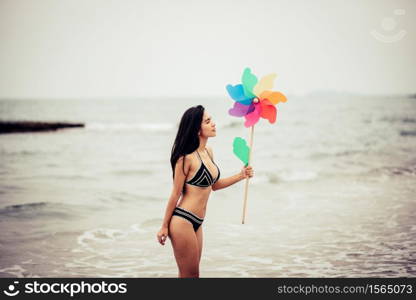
[253,100]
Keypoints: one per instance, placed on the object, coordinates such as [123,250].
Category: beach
[333,193]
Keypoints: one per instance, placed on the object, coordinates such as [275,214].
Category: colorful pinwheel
[254,99]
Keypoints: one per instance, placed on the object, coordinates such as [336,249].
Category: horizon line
[313,93]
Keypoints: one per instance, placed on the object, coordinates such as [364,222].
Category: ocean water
[334,191]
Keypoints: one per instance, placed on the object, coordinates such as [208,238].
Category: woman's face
[207,126]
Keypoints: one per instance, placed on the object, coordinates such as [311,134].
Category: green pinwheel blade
[241,150]
[249,81]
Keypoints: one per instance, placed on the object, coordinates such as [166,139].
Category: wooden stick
[248,178]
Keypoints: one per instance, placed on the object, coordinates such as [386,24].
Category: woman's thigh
[199,237]
[185,245]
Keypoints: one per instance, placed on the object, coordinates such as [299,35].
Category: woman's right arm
[178,182]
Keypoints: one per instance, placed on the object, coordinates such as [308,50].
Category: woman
[194,176]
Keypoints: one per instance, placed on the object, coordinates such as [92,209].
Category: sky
[177,48]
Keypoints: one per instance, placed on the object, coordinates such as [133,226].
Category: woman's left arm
[226,182]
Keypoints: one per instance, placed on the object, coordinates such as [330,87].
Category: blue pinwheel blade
[237,94]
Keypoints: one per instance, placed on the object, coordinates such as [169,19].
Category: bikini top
[203,177]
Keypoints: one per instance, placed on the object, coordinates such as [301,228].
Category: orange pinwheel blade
[273,97]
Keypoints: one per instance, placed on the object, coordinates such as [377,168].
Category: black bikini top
[203,177]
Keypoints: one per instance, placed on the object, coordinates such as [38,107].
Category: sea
[333,195]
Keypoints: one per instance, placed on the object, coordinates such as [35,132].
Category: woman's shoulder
[185,158]
[184,162]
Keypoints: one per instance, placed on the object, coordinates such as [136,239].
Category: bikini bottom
[196,221]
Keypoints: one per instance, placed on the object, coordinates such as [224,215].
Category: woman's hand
[247,172]
[162,235]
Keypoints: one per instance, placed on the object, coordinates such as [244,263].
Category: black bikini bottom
[196,221]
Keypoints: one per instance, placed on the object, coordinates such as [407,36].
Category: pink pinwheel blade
[240,110]
[253,117]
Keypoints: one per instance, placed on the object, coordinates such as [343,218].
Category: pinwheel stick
[248,178]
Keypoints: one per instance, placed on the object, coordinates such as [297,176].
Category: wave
[398,119]
[316,155]
[15,270]
[20,153]
[409,120]
[90,239]
[298,175]
[410,170]
[100,235]
[348,152]
[396,171]
[37,210]
[24,206]
[232,124]
[284,176]
[407,133]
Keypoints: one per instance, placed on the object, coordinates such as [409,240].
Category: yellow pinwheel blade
[273,97]
[266,83]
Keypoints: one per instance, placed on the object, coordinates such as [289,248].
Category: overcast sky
[90,49]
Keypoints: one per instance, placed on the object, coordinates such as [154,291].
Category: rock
[29,126]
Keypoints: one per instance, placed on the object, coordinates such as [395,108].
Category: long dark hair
[187,140]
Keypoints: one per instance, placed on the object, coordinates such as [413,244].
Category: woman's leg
[185,246]
[199,238]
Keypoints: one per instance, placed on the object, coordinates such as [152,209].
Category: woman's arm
[178,183]
[226,182]
[181,169]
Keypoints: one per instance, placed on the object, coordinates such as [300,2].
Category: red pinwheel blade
[268,111]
